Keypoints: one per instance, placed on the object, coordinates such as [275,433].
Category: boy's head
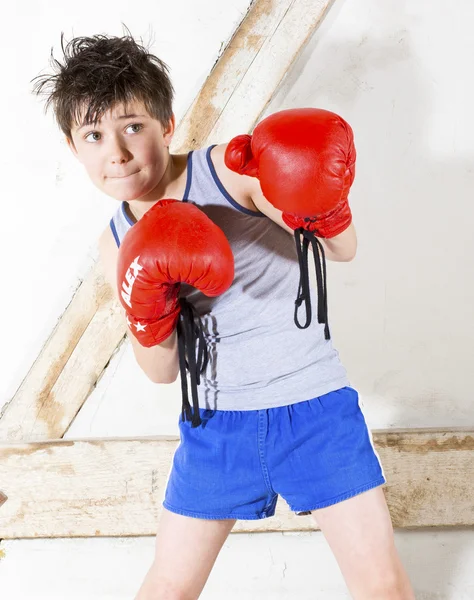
[113,101]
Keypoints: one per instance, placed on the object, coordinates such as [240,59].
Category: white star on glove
[140,327]
[129,323]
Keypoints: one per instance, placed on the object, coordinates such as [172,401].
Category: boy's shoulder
[244,189]
[241,187]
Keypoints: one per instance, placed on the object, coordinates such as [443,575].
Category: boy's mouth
[122,176]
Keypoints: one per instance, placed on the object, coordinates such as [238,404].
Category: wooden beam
[115,487]
[251,68]
[68,366]
[233,97]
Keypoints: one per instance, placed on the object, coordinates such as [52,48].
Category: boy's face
[126,153]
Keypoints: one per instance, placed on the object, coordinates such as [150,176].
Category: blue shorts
[313,454]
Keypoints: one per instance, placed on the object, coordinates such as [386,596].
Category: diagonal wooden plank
[295,29]
[249,71]
[68,366]
[115,487]
[233,97]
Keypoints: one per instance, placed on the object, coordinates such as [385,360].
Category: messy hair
[97,73]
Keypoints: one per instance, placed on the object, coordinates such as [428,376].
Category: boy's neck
[172,185]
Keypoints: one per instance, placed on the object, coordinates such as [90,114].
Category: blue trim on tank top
[114,231]
[127,218]
[189,163]
[224,192]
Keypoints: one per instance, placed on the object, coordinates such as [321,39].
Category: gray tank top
[258,358]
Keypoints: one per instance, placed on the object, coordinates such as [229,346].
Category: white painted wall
[401,313]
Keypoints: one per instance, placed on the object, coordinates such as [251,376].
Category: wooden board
[68,366]
[248,73]
[233,97]
[115,487]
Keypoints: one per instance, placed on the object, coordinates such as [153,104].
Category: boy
[277,413]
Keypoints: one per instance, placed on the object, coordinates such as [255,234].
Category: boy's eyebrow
[132,116]
[128,116]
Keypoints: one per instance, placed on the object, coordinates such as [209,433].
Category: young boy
[278,416]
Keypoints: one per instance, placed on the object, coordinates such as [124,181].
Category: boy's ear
[73,148]
[168,131]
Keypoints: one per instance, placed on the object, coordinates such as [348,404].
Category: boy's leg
[186,549]
[360,534]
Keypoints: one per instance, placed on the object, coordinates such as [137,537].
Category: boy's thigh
[360,534]
[185,551]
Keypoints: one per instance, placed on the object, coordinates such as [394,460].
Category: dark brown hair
[99,72]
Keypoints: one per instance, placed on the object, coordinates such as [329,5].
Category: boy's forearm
[342,247]
[159,363]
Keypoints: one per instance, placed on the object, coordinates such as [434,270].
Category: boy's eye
[134,127]
[93,136]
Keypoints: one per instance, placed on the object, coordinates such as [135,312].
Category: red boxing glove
[305,161]
[173,242]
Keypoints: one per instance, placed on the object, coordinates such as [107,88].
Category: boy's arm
[341,248]
[160,362]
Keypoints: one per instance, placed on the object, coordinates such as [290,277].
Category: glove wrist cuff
[327,225]
[152,333]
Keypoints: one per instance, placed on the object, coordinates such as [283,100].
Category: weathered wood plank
[249,71]
[258,86]
[68,366]
[115,487]
[430,475]
[241,83]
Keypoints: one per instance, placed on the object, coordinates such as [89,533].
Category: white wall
[401,313]
[263,566]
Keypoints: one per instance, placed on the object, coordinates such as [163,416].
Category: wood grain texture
[249,71]
[115,487]
[68,366]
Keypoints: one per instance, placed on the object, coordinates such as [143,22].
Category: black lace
[190,334]
[303,239]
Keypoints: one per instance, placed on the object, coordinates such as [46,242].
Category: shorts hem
[336,499]
[209,517]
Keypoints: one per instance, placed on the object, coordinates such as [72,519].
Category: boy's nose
[118,153]
[118,159]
